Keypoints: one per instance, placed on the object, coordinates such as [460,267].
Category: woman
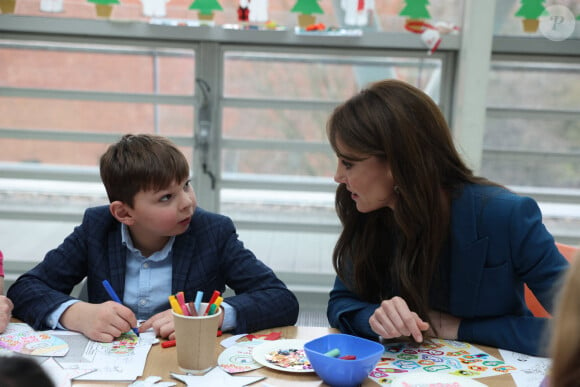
[565,344]
[427,248]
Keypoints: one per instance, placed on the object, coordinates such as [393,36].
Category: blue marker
[198,297]
[115,298]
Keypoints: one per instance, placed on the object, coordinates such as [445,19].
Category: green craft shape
[307,7]
[416,9]
[104,2]
[206,7]
[531,9]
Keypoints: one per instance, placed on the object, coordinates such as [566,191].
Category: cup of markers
[196,324]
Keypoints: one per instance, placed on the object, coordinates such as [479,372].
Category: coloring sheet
[122,360]
[21,338]
[447,357]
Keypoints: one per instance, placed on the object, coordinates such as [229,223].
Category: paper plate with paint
[283,355]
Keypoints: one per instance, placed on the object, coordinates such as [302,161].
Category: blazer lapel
[182,260]
[468,253]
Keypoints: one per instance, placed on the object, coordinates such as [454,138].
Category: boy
[150,242]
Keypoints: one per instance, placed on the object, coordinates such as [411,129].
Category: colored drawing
[442,357]
[238,358]
[124,345]
[20,337]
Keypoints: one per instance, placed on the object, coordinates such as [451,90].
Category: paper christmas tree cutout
[530,10]
[205,8]
[416,9]
[104,7]
[307,7]
[306,10]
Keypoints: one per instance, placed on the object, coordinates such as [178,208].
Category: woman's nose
[339,174]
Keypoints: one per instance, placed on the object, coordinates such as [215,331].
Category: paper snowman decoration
[154,8]
[356,12]
[258,10]
[51,5]
[432,39]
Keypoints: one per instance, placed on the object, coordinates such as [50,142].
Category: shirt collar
[156,256]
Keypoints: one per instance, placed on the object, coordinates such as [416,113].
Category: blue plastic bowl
[337,372]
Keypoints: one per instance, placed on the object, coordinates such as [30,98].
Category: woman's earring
[397,189]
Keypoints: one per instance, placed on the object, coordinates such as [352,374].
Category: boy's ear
[121,212]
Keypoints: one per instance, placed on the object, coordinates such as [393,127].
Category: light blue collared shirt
[147,280]
[147,284]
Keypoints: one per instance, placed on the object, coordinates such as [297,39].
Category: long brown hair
[565,340]
[399,123]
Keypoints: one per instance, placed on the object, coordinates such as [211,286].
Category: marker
[333,352]
[215,306]
[214,297]
[168,343]
[212,309]
[115,298]
[180,296]
[174,304]
[198,297]
[192,309]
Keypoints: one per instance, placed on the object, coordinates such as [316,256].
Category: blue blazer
[497,243]
[207,257]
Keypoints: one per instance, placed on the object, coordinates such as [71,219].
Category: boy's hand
[99,322]
[162,324]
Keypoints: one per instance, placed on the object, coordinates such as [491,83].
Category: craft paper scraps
[217,377]
[61,377]
[531,370]
[238,357]
[152,381]
[21,338]
[439,380]
[437,356]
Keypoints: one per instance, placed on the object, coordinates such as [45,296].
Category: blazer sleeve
[347,313]
[533,259]
[261,299]
[42,289]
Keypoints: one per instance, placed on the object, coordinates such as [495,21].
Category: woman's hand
[394,319]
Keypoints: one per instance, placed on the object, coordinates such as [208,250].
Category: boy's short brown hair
[141,162]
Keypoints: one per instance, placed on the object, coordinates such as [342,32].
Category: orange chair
[533,304]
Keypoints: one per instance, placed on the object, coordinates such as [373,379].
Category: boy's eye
[187,185]
[165,198]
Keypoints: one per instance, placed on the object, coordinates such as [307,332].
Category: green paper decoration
[104,2]
[531,9]
[307,7]
[416,9]
[206,7]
